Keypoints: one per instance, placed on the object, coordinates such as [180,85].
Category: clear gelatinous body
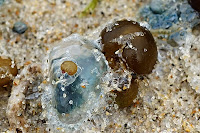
[75,91]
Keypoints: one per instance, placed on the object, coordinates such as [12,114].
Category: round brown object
[126,42]
[69,67]
[195,4]
[125,97]
[6,70]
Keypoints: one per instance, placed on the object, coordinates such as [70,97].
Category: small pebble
[157,6]
[6,68]
[20,27]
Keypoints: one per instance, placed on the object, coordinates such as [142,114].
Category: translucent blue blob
[81,89]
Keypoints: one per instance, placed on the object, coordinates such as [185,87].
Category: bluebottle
[72,91]
[69,98]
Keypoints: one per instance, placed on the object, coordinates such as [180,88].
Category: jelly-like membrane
[71,98]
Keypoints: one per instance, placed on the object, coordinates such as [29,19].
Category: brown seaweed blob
[69,67]
[126,43]
[125,97]
[7,70]
[195,4]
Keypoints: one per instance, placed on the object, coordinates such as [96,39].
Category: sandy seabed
[168,99]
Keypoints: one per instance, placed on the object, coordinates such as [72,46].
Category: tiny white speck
[134,48]
[116,24]
[62,88]
[64,95]
[53,82]
[95,50]
[70,102]
[98,87]
[13,64]
[117,52]
[145,50]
